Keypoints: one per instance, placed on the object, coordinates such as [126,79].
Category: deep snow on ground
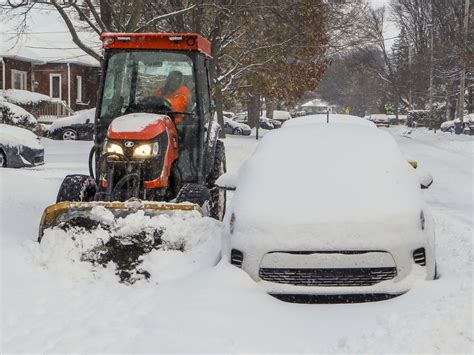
[50,304]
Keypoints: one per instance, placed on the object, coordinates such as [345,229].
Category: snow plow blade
[62,212]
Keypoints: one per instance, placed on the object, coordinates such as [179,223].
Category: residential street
[194,303]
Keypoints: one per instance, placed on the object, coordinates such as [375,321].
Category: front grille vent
[236,257]
[337,277]
[419,256]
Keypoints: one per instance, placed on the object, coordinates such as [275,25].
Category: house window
[79,88]
[55,86]
[18,79]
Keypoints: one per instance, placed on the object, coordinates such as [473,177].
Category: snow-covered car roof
[80,117]
[235,124]
[333,118]
[16,136]
[278,115]
[379,117]
[312,174]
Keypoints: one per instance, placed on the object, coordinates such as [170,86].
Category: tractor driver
[176,93]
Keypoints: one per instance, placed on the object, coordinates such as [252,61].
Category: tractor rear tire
[218,195]
[77,188]
[195,193]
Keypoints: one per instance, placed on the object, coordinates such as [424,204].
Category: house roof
[45,39]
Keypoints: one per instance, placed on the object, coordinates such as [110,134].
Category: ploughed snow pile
[80,117]
[311,174]
[333,118]
[24,97]
[133,122]
[131,247]
[13,136]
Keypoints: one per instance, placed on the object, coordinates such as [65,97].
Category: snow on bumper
[377,264]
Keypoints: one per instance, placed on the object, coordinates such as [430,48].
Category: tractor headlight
[114,148]
[146,150]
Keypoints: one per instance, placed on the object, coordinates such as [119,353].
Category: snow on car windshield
[333,118]
[11,135]
[326,173]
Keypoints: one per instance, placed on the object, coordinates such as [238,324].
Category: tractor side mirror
[227,181]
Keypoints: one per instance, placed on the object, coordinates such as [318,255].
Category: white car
[329,209]
[237,128]
[380,120]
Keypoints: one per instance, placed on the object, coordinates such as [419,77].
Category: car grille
[328,277]
[236,257]
[419,256]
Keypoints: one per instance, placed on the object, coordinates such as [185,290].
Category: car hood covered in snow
[14,136]
[318,174]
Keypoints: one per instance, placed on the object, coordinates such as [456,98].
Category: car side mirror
[425,177]
[88,121]
[227,181]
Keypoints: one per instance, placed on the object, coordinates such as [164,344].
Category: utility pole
[463,72]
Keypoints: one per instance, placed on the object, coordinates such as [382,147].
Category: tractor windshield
[135,77]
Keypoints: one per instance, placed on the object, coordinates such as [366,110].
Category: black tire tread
[77,188]
[194,193]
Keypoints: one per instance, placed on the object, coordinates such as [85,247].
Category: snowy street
[53,302]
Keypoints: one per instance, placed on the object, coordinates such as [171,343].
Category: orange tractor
[156,139]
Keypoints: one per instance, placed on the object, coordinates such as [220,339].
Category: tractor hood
[138,126]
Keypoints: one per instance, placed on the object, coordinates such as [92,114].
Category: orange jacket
[178,100]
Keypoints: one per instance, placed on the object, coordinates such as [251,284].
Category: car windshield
[134,76]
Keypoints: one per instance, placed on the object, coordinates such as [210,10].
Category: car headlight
[146,150]
[114,148]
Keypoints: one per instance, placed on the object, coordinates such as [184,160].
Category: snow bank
[80,117]
[13,136]
[133,122]
[85,253]
[331,173]
[24,97]
[333,118]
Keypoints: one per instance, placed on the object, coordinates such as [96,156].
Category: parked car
[77,127]
[323,225]
[19,147]
[381,120]
[448,126]
[265,122]
[234,127]
[279,115]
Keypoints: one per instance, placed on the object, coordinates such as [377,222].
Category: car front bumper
[332,257]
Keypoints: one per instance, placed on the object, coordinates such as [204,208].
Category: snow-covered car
[265,123]
[77,127]
[279,115]
[448,126]
[237,128]
[19,147]
[318,211]
[333,118]
[380,119]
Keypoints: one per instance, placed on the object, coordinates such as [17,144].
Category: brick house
[73,81]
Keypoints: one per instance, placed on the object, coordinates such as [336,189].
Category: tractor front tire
[77,188]
[195,193]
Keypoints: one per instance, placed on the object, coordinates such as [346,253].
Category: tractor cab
[160,74]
